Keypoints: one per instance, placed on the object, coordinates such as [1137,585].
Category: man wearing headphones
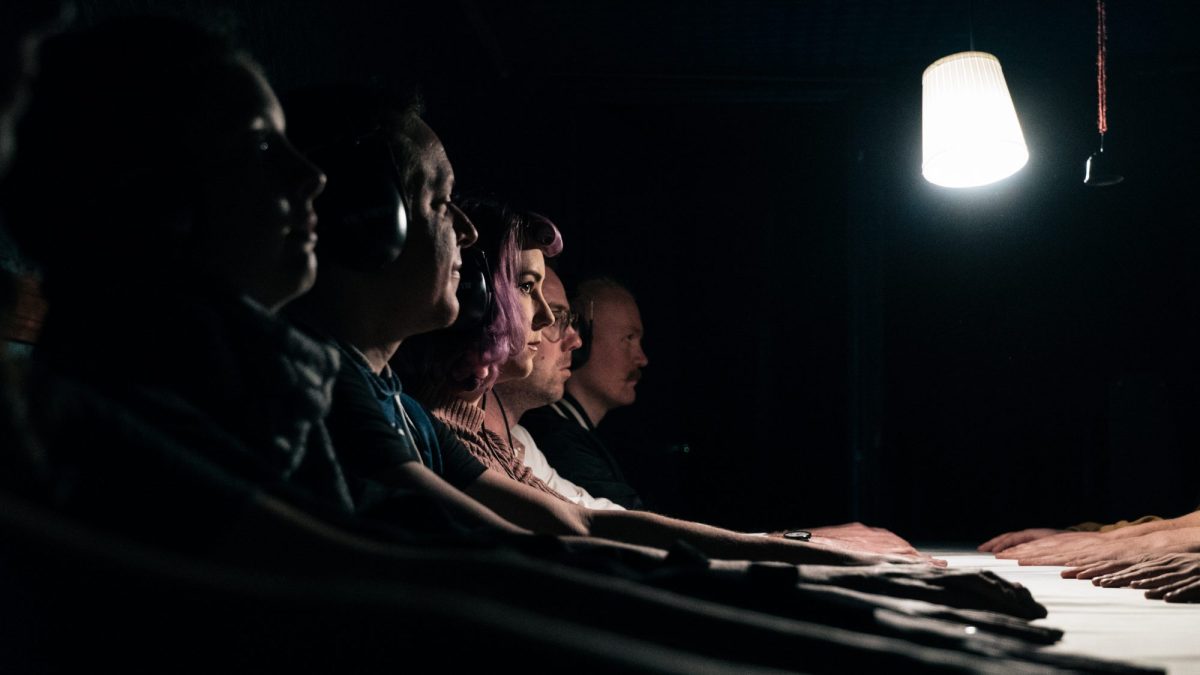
[605,374]
[391,257]
[390,250]
[545,386]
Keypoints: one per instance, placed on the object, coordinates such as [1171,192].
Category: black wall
[831,337]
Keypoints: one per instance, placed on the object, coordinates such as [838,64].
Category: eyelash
[526,288]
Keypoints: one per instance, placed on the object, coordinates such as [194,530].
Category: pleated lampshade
[969,129]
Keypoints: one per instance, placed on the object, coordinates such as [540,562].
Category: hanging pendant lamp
[1099,172]
[970,135]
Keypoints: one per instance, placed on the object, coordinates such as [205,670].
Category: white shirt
[540,466]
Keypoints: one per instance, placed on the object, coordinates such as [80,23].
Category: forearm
[527,507]
[413,475]
[1188,520]
[649,529]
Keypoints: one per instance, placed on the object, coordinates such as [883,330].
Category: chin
[446,312]
[626,397]
[523,368]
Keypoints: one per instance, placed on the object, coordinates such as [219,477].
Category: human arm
[1009,539]
[580,456]
[1118,530]
[371,449]
[1067,543]
[541,512]
[415,476]
[865,538]
[1174,578]
[1103,548]
[535,459]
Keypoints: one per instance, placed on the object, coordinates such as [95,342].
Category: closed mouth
[304,229]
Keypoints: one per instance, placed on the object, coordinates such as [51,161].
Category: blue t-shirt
[372,435]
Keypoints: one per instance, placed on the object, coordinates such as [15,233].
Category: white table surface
[1112,623]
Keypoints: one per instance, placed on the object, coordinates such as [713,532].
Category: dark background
[830,336]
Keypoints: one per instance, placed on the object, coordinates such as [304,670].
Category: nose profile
[467,234]
[571,339]
[542,315]
[639,357]
[310,180]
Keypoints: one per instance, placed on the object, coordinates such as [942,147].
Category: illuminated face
[256,228]
[425,277]
[535,314]
[616,359]
[552,361]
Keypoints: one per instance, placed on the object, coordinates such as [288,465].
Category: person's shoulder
[547,417]
[549,426]
[416,409]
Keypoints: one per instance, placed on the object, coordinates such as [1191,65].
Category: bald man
[566,430]
[546,386]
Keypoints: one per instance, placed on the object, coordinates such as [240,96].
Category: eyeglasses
[563,319]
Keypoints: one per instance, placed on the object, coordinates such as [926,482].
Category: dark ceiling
[820,39]
[706,39]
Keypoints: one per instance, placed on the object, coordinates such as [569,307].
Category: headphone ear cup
[475,293]
[363,218]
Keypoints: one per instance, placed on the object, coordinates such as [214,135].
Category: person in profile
[604,377]
[171,218]
[454,371]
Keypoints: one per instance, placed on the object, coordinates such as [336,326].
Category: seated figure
[190,474]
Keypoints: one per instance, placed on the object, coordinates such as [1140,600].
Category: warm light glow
[970,133]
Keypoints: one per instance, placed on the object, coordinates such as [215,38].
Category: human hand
[1103,550]
[1173,578]
[1106,567]
[1162,573]
[1055,543]
[962,588]
[863,538]
[1185,590]
[1009,539]
[823,551]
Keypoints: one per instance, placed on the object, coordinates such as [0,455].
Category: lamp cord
[1101,71]
[971,23]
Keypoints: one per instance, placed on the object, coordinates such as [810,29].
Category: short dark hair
[592,288]
[323,116]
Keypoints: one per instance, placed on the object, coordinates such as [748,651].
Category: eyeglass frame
[568,316]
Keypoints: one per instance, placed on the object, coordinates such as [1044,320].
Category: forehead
[243,89]
[432,161]
[531,261]
[618,310]
[239,97]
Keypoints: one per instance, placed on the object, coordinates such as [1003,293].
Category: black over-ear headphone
[475,294]
[363,212]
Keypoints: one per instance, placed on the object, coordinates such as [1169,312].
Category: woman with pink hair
[502,314]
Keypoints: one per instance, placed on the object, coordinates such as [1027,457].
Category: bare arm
[1174,540]
[527,507]
[540,512]
[1073,542]
[1188,520]
[415,476]
[650,529]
